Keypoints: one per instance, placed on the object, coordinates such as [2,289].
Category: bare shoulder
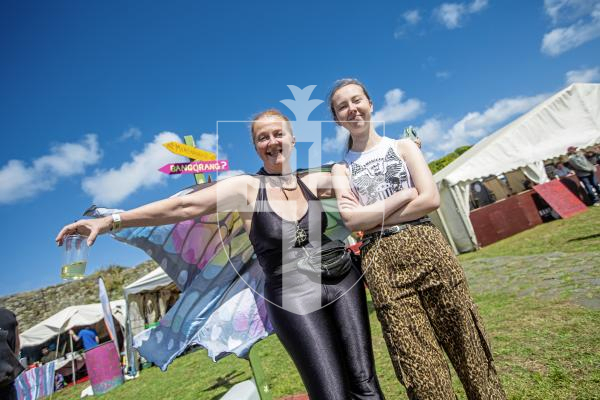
[406,147]
[340,168]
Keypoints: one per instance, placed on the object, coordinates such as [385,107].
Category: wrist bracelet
[116,223]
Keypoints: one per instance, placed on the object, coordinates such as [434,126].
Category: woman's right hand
[85,227]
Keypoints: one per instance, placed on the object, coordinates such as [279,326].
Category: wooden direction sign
[190,152]
[561,199]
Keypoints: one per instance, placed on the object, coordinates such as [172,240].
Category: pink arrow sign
[195,167]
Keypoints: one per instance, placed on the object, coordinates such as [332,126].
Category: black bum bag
[331,260]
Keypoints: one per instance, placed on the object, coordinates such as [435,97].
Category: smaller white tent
[70,318]
[570,117]
[147,300]
[149,282]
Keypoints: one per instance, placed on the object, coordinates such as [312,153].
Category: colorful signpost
[190,151]
[195,167]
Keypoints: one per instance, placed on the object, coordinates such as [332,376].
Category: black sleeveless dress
[323,325]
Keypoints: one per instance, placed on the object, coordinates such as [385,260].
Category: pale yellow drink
[73,271]
[75,257]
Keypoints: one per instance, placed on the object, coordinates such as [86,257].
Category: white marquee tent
[69,318]
[571,117]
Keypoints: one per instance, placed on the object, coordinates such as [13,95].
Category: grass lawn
[541,310]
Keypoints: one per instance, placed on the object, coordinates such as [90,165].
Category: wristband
[116,223]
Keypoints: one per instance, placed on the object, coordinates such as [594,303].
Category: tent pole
[72,361]
[57,345]
[128,351]
[445,227]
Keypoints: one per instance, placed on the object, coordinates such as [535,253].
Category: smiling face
[273,140]
[352,108]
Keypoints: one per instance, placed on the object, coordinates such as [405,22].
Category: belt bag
[10,367]
[331,260]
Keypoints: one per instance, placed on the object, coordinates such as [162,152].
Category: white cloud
[412,17]
[393,110]
[442,74]
[451,15]
[477,5]
[338,143]
[560,40]
[210,142]
[109,187]
[131,133]
[567,10]
[476,124]
[431,130]
[19,181]
[583,75]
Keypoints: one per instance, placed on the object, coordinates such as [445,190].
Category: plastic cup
[75,257]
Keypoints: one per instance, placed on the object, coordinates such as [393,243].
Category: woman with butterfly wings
[201,233]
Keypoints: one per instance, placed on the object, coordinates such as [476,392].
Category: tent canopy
[571,117]
[69,318]
[152,281]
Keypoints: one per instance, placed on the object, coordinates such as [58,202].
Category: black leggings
[331,347]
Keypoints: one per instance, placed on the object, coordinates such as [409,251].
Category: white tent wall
[458,225]
[569,118]
[147,299]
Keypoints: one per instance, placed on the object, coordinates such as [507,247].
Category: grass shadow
[578,239]
[226,382]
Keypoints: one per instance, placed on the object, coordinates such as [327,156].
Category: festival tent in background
[52,330]
[570,117]
[148,299]
[70,318]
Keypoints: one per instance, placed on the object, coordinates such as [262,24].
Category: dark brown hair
[337,85]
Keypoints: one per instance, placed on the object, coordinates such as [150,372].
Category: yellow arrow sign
[190,152]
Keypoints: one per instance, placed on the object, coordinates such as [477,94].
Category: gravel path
[568,276]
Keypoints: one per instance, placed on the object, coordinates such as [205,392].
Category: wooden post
[189,140]
[259,377]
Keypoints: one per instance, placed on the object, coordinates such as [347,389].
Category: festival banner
[195,167]
[190,152]
[108,318]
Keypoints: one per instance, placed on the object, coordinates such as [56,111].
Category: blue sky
[91,89]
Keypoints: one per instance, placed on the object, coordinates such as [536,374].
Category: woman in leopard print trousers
[417,284]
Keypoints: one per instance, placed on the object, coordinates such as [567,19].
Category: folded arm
[364,217]
[428,198]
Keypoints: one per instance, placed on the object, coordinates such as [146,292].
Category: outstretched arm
[226,195]
[364,217]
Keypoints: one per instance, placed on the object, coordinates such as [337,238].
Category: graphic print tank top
[377,173]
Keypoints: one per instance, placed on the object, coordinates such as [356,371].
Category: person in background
[586,172]
[88,336]
[47,355]
[593,155]
[8,322]
[561,170]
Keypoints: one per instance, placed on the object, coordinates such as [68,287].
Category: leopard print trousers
[423,303]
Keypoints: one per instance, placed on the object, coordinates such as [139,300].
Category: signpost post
[189,150]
